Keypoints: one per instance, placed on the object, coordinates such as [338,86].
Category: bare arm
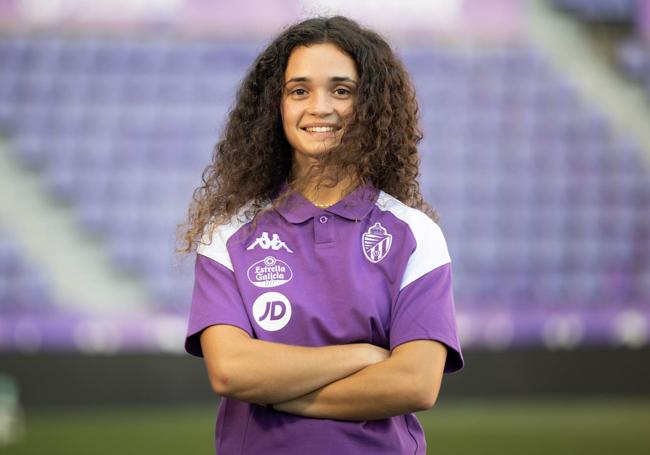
[263,372]
[408,381]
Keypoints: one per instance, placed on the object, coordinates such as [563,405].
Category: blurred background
[536,155]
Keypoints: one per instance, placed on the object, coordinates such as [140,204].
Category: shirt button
[323,219]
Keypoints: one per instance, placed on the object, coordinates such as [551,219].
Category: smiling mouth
[321,129]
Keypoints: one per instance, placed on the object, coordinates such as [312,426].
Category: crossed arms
[344,382]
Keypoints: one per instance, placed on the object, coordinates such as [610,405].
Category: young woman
[323,301]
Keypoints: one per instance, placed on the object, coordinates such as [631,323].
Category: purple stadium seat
[110,58]
[22,286]
[634,59]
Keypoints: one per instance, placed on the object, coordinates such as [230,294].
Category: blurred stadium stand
[23,288]
[545,205]
[598,10]
[633,56]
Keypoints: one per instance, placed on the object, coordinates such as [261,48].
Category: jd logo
[271,311]
[265,243]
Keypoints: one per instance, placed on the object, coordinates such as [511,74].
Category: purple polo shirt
[367,269]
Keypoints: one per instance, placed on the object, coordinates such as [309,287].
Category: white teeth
[320,129]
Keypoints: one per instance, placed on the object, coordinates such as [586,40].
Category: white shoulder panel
[431,248]
[216,250]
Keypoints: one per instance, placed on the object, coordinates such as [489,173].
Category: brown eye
[342,91]
[298,91]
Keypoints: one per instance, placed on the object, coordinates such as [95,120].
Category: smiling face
[318,97]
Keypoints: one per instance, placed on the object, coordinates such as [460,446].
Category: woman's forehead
[320,61]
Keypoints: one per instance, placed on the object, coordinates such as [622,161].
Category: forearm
[263,372]
[270,372]
[395,386]
[376,392]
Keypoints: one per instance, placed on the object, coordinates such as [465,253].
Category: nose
[320,103]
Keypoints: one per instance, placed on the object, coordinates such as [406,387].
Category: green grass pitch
[600,427]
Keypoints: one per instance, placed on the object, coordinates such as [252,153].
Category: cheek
[346,108]
[288,114]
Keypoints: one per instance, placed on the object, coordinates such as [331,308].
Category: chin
[315,149]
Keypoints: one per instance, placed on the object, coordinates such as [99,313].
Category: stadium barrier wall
[71,380]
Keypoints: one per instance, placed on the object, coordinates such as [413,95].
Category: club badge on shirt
[376,243]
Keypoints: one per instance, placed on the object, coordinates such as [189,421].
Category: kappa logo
[269,272]
[376,243]
[265,243]
[272,311]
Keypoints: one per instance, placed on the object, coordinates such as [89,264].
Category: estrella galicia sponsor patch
[376,243]
[269,272]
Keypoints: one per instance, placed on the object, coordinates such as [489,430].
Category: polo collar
[355,206]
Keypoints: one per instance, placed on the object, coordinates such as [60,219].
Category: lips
[321,130]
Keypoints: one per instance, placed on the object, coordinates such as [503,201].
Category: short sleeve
[215,300]
[424,308]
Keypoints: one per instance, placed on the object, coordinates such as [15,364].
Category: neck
[324,196]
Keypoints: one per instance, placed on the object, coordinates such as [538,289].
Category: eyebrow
[332,79]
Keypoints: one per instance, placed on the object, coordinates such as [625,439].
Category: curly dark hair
[253,158]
